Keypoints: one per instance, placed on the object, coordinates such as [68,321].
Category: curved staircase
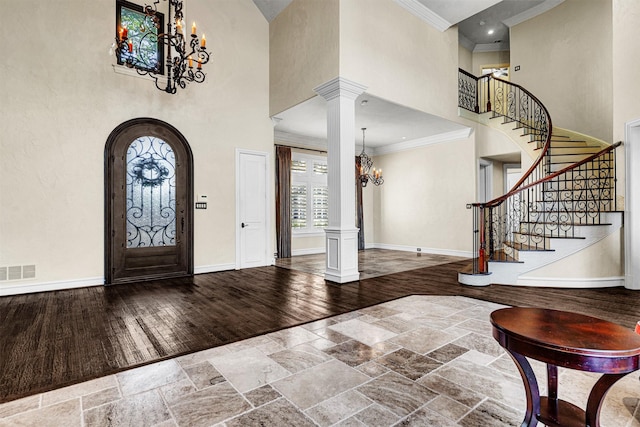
[564,203]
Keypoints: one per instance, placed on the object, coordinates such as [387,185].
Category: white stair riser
[507,273]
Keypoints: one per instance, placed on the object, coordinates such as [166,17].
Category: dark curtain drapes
[359,211]
[283,201]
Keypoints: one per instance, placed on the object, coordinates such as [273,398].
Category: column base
[342,255]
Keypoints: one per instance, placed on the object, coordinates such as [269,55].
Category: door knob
[243,225]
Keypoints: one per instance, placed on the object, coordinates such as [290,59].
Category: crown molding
[465,42]
[427,15]
[531,13]
[421,142]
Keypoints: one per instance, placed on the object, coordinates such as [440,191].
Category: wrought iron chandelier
[366,172]
[180,67]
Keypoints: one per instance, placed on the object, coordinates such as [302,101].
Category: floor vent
[17,272]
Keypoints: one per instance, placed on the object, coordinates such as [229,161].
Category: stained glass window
[142,33]
[151,193]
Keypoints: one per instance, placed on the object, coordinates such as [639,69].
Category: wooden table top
[566,332]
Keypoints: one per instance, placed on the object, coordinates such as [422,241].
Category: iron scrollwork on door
[151,193]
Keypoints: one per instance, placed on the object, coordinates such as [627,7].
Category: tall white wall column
[342,234]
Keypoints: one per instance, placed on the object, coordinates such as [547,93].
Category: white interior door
[252,209]
[485,180]
[512,175]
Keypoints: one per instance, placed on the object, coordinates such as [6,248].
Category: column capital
[340,87]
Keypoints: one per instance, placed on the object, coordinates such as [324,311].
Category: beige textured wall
[423,200]
[565,57]
[399,57]
[465,59]
[61,99]
[626,63]
[303,51]
[626,85]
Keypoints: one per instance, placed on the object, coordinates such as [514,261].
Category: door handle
[182,225]
[243,225]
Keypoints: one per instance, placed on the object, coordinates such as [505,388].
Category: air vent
[28,271]
[15,272]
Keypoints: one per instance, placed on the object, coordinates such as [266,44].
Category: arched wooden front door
[148,199]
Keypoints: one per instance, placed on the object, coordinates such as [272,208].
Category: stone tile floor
[416,361]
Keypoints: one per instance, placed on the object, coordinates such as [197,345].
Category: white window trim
[310,179]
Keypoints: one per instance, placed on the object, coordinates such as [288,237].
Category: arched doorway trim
[170,255]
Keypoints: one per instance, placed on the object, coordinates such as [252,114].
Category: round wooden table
[569,340]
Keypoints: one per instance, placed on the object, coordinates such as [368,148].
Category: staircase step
[522,247]
[567,139]
[547,236]
[568,151]
[568,224]
[501,256]
[582,153]
[578,190]
[569,211]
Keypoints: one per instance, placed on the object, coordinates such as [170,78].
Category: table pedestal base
[560,413]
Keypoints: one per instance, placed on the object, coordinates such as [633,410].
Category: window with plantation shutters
[298,206]
[309,194]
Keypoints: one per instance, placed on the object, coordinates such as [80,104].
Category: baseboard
[213,268]
[29,288]
[309,251]
[434,251]
[577,283]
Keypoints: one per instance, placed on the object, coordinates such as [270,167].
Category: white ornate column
[341,234]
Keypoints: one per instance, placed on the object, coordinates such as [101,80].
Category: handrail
[549,129]
[547,178]
[547,144]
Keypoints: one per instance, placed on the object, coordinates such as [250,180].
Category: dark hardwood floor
[48,340]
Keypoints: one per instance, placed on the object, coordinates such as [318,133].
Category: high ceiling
[474,17]
[389,124]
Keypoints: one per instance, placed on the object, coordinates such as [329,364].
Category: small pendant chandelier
[366,172]
[180,67]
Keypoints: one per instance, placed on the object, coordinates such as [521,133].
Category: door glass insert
[151,193]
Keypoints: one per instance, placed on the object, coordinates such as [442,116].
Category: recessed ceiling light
[490,32]
[481,23]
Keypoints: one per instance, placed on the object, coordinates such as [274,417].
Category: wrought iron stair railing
[551,198]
